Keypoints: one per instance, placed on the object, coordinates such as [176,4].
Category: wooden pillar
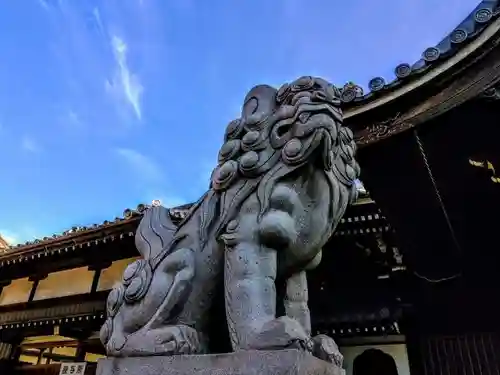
[97,268]
[49,359]
[40,356]
[80,352]
[7,358]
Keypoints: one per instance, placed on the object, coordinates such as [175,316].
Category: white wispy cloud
[106,64]
[98,20]
[29,144]
[43,4]
[125,84]
[143,166]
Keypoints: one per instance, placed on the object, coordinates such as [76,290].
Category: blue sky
[106,104]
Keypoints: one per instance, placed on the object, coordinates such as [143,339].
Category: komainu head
[283,130]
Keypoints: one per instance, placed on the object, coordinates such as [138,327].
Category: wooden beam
[47,341]
[33,290]
[95,280]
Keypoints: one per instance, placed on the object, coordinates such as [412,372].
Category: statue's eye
[250,106]
[320,95]
[280,135]
[283,129]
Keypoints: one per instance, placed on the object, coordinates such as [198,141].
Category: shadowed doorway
[374,362]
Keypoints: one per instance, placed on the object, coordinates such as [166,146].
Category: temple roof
[121,227]
[483,15]
[78,235]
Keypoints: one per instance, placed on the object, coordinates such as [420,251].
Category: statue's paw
[169,340]
[283,332]
[325,348]
[182,339]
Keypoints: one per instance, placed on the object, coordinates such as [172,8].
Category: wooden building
[409,282]
[429,152]
[52,302]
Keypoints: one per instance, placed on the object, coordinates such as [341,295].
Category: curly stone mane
[264,146]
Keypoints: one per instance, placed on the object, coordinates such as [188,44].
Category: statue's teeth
[303,117]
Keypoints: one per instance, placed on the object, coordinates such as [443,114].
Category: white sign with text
[72,368]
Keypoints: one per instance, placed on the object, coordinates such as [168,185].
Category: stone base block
[282,362]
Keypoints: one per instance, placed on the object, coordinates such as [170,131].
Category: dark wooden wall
[445,212]
[468,354]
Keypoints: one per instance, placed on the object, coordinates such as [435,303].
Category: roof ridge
[78,230]
[129,216]
[482,16]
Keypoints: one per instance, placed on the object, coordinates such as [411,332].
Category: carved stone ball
[233,129]
[229,150]
[225,171]
[224,175]
[250,138]
[226,148]
[249,160]
[293,148]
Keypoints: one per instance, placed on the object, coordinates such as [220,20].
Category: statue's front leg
[296,298]
[250,296]
[250,292]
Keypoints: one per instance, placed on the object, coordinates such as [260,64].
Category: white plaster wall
[397,351]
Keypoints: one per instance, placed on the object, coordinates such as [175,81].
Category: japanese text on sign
[72,368]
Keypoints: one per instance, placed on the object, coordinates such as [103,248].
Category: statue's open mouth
[307,125]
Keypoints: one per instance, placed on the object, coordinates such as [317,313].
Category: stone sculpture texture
[284,179]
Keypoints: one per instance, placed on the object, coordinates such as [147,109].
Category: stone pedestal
[282,362]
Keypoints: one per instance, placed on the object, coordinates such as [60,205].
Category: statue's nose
[300,96]
[319,96]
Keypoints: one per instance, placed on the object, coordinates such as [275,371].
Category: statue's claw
[325,348]
[169,340]
[280,333]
